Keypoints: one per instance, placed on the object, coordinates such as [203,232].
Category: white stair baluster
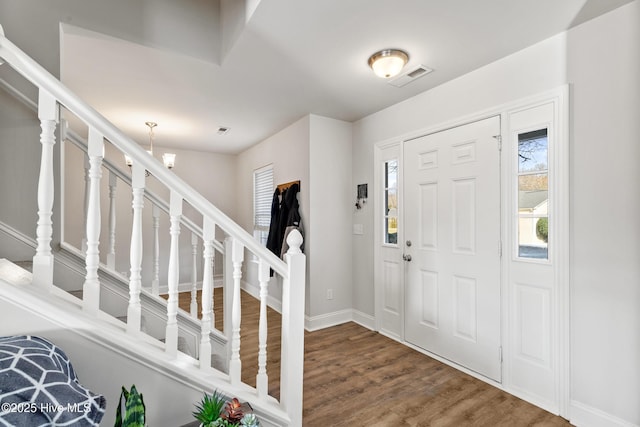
[91,287]
[134,310]
[207,322]
[235,364]
[87,166]
[193,308]
[175,213]
[155,281]
[227,294]
[262,380]
[48,113]
[111,255]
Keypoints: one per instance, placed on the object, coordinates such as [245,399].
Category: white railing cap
[294,240]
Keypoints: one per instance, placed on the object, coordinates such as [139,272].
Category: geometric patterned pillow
[38,387]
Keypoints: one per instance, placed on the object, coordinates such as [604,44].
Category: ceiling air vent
[223,130]
[410,76]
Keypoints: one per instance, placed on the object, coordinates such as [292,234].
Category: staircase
[115,311]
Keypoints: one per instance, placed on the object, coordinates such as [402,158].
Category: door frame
[559,189]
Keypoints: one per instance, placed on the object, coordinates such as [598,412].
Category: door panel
[389,275]
[452,212]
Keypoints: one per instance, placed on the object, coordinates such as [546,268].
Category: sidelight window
[533,194]
[391,202]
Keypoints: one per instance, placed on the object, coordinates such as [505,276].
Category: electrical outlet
[329,293]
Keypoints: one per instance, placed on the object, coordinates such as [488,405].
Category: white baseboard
[317,322]
[364,320]
[586,416]
[391,335]
[327,320]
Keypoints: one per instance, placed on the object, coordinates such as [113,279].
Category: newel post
[293,303]
[48,112]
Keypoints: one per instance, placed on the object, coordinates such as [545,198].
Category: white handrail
[41,78]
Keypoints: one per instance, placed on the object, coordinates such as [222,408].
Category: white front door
[452,236]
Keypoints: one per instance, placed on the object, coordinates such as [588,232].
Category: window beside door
[391,202]
[533,194]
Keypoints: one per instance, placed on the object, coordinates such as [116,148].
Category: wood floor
[357,377]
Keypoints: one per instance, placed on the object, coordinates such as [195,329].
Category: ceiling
[257,66]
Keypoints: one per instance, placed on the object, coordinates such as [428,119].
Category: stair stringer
[105,357]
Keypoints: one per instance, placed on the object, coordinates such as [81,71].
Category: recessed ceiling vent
[223,130]
[410,76]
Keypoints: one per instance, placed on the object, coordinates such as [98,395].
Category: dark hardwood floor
[357,377]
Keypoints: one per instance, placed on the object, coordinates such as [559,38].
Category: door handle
[406,257]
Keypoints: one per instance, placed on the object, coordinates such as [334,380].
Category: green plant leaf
[131,409]
[124,395]
[209,408]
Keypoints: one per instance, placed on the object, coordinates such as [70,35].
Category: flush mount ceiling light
[388,62]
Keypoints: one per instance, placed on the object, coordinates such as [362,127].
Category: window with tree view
[533,195]
[391,202]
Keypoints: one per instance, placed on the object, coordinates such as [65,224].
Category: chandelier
[169,159]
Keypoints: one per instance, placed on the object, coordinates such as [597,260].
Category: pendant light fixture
[168,159]
[388,63]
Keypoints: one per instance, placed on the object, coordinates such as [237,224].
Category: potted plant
[214,411]
[131,410]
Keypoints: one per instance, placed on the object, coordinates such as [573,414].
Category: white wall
[190,29]
[331,200]
[288,152]
[604,69]
[19,165]
[317,151]
[601,61]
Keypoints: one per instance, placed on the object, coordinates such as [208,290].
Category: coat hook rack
[282,187]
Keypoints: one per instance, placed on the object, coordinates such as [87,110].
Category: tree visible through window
[533,194]
[262,197]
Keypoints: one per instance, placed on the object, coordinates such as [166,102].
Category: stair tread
[27,265]
[12,273]
[77,293]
